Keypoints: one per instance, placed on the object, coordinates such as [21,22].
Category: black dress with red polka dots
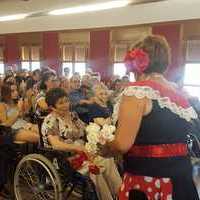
[160,178]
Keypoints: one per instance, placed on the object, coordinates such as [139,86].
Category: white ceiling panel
[8,7]
[164,11]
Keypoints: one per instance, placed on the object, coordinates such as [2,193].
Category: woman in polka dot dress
[153,120]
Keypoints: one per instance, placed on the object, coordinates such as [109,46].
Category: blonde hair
[99,87]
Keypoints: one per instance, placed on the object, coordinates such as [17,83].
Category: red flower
[78,160]
[137,60]
[94,169]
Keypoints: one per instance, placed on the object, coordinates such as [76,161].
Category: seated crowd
[156,164]
[65,107]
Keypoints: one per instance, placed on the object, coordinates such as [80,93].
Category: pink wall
[12,51]
[2,41]
[100,53]
[51,51]
[172,33]
[99,56]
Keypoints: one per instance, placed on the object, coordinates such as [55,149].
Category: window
[1,68]
[132,77]
[35,65]
[26,65]
[30,56]
[119,69]
[192,68]
[191,79]
[1,61]
[80,68]
[119,50]
[30,66]
[69,66]
[74,67]
[74,56]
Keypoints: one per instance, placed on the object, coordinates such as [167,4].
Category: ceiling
[8,7]
[162,11]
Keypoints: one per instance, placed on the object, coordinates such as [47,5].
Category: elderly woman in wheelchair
[48,175]
[62,130]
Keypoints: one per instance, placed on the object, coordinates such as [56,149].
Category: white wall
[171,10]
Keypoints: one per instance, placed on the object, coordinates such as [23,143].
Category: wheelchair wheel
[36,178]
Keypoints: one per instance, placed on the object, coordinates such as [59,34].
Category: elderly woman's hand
[101,121]
[108,121]
[81,148]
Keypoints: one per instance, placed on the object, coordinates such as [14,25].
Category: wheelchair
[10,154]
[47,174]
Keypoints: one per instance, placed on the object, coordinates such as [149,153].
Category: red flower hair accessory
[137,60]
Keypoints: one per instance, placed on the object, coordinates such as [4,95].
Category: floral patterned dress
[55,125]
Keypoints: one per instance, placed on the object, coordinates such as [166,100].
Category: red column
[51,52]
[12,51]
[99,53]
[172,33]
[2,41]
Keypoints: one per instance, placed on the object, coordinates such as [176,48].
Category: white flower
[93,137]
[96,135]
[102,140]
[106,136]
[91,148]
[107,132]
[92,127]
[109,128]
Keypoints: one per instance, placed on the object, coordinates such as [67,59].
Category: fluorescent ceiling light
[13,17]
[91,8]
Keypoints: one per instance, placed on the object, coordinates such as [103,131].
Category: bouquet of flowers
[96,134]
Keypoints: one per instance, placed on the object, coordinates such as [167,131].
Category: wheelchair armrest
[59,159]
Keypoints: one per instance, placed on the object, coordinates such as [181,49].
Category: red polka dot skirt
[154,188]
